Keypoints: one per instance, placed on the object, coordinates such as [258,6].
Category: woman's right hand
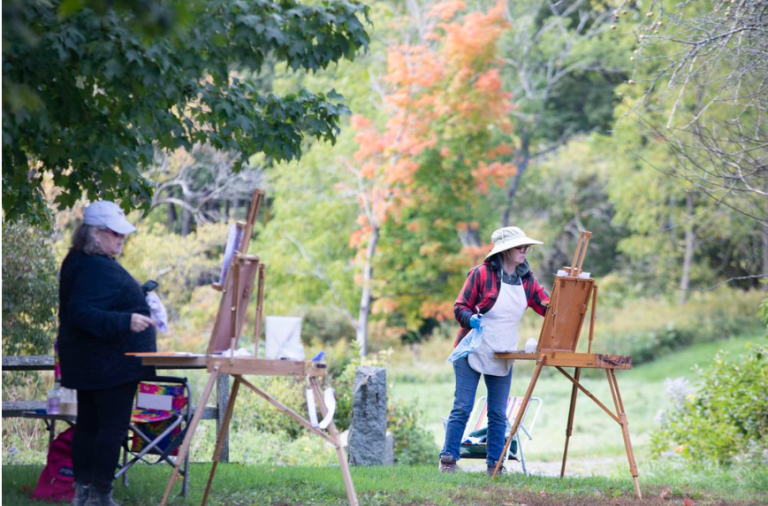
[139,322]
[474,321]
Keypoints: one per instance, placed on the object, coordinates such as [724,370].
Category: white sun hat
[508,238]
[107,214]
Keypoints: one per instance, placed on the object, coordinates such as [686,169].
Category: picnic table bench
[33,408]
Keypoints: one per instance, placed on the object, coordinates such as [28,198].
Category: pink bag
[57,479]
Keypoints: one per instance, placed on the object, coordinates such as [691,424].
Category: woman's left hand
[139,322]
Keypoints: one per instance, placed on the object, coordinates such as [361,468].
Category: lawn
[285,486]
[597,470]
[596,446]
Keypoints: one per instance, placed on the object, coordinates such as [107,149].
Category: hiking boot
[447,464]
[97,498]
[82,492]
[502,470]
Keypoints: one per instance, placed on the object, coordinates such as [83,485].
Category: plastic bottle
[530,345]
[54,400]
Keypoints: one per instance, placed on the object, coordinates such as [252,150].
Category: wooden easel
[236,292]
[557,348]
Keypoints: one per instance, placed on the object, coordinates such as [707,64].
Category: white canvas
[284,338]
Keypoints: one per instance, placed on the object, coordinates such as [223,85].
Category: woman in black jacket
[102,316]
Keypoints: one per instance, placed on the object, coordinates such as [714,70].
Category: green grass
[269,485]
[596,449]
[596,445]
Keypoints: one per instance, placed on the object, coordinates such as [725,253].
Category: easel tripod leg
[343,464]
[624,423]
[519,418]
[571,412]
[190,433]
[222,436]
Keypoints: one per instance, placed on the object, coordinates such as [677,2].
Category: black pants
[102,424]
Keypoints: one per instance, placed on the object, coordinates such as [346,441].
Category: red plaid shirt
[481,289]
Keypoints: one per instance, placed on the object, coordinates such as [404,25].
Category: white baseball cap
[508,238]
[107,214]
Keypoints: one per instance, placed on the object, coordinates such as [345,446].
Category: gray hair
[84,239]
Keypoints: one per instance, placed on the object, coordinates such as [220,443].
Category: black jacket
[96,299]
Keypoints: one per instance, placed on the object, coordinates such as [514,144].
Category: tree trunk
[470,236]
[365,297]
[186,223]
[171,217]
[690,243]
[522,158]
[764,237]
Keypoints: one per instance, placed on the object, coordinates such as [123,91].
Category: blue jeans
[463,401]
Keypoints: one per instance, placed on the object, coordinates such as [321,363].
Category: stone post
[368,431]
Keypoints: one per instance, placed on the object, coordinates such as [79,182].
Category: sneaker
[447,464]
[82,493]
[502,470]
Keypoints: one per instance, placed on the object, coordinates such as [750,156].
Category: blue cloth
[468,345]
[463,401]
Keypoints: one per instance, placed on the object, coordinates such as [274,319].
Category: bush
[726,419]
[705,318]
[414,445]
[30,290]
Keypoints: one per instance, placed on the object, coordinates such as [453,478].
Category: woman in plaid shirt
[494,296]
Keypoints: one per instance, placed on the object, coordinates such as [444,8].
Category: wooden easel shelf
[262,367]
[569,359]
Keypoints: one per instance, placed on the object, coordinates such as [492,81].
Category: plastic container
[53,407]
[531,344]
[68,404]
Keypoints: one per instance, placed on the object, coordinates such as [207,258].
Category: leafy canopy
[88,96]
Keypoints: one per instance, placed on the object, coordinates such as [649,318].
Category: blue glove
[474,321]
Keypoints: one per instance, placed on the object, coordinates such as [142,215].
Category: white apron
[500,331]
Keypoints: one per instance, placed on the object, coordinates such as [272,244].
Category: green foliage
[256,414]
[708,317]
[414,444]
[726,418]
[30,290]
[326,325]
[178,263]
[96,96]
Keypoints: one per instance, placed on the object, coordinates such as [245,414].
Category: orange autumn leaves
[447,118]
[444,93]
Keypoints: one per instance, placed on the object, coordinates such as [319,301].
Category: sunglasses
[112,233]
[522,249]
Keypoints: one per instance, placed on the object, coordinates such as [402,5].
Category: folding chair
[473,445]
[158,423]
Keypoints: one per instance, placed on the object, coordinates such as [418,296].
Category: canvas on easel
[239,273]
[568,304]
[234,301]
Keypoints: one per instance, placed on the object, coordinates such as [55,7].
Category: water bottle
[54,400]
[530,345]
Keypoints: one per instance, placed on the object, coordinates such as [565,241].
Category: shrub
[704,318]
[414,445]
[726,419]
[30,290]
